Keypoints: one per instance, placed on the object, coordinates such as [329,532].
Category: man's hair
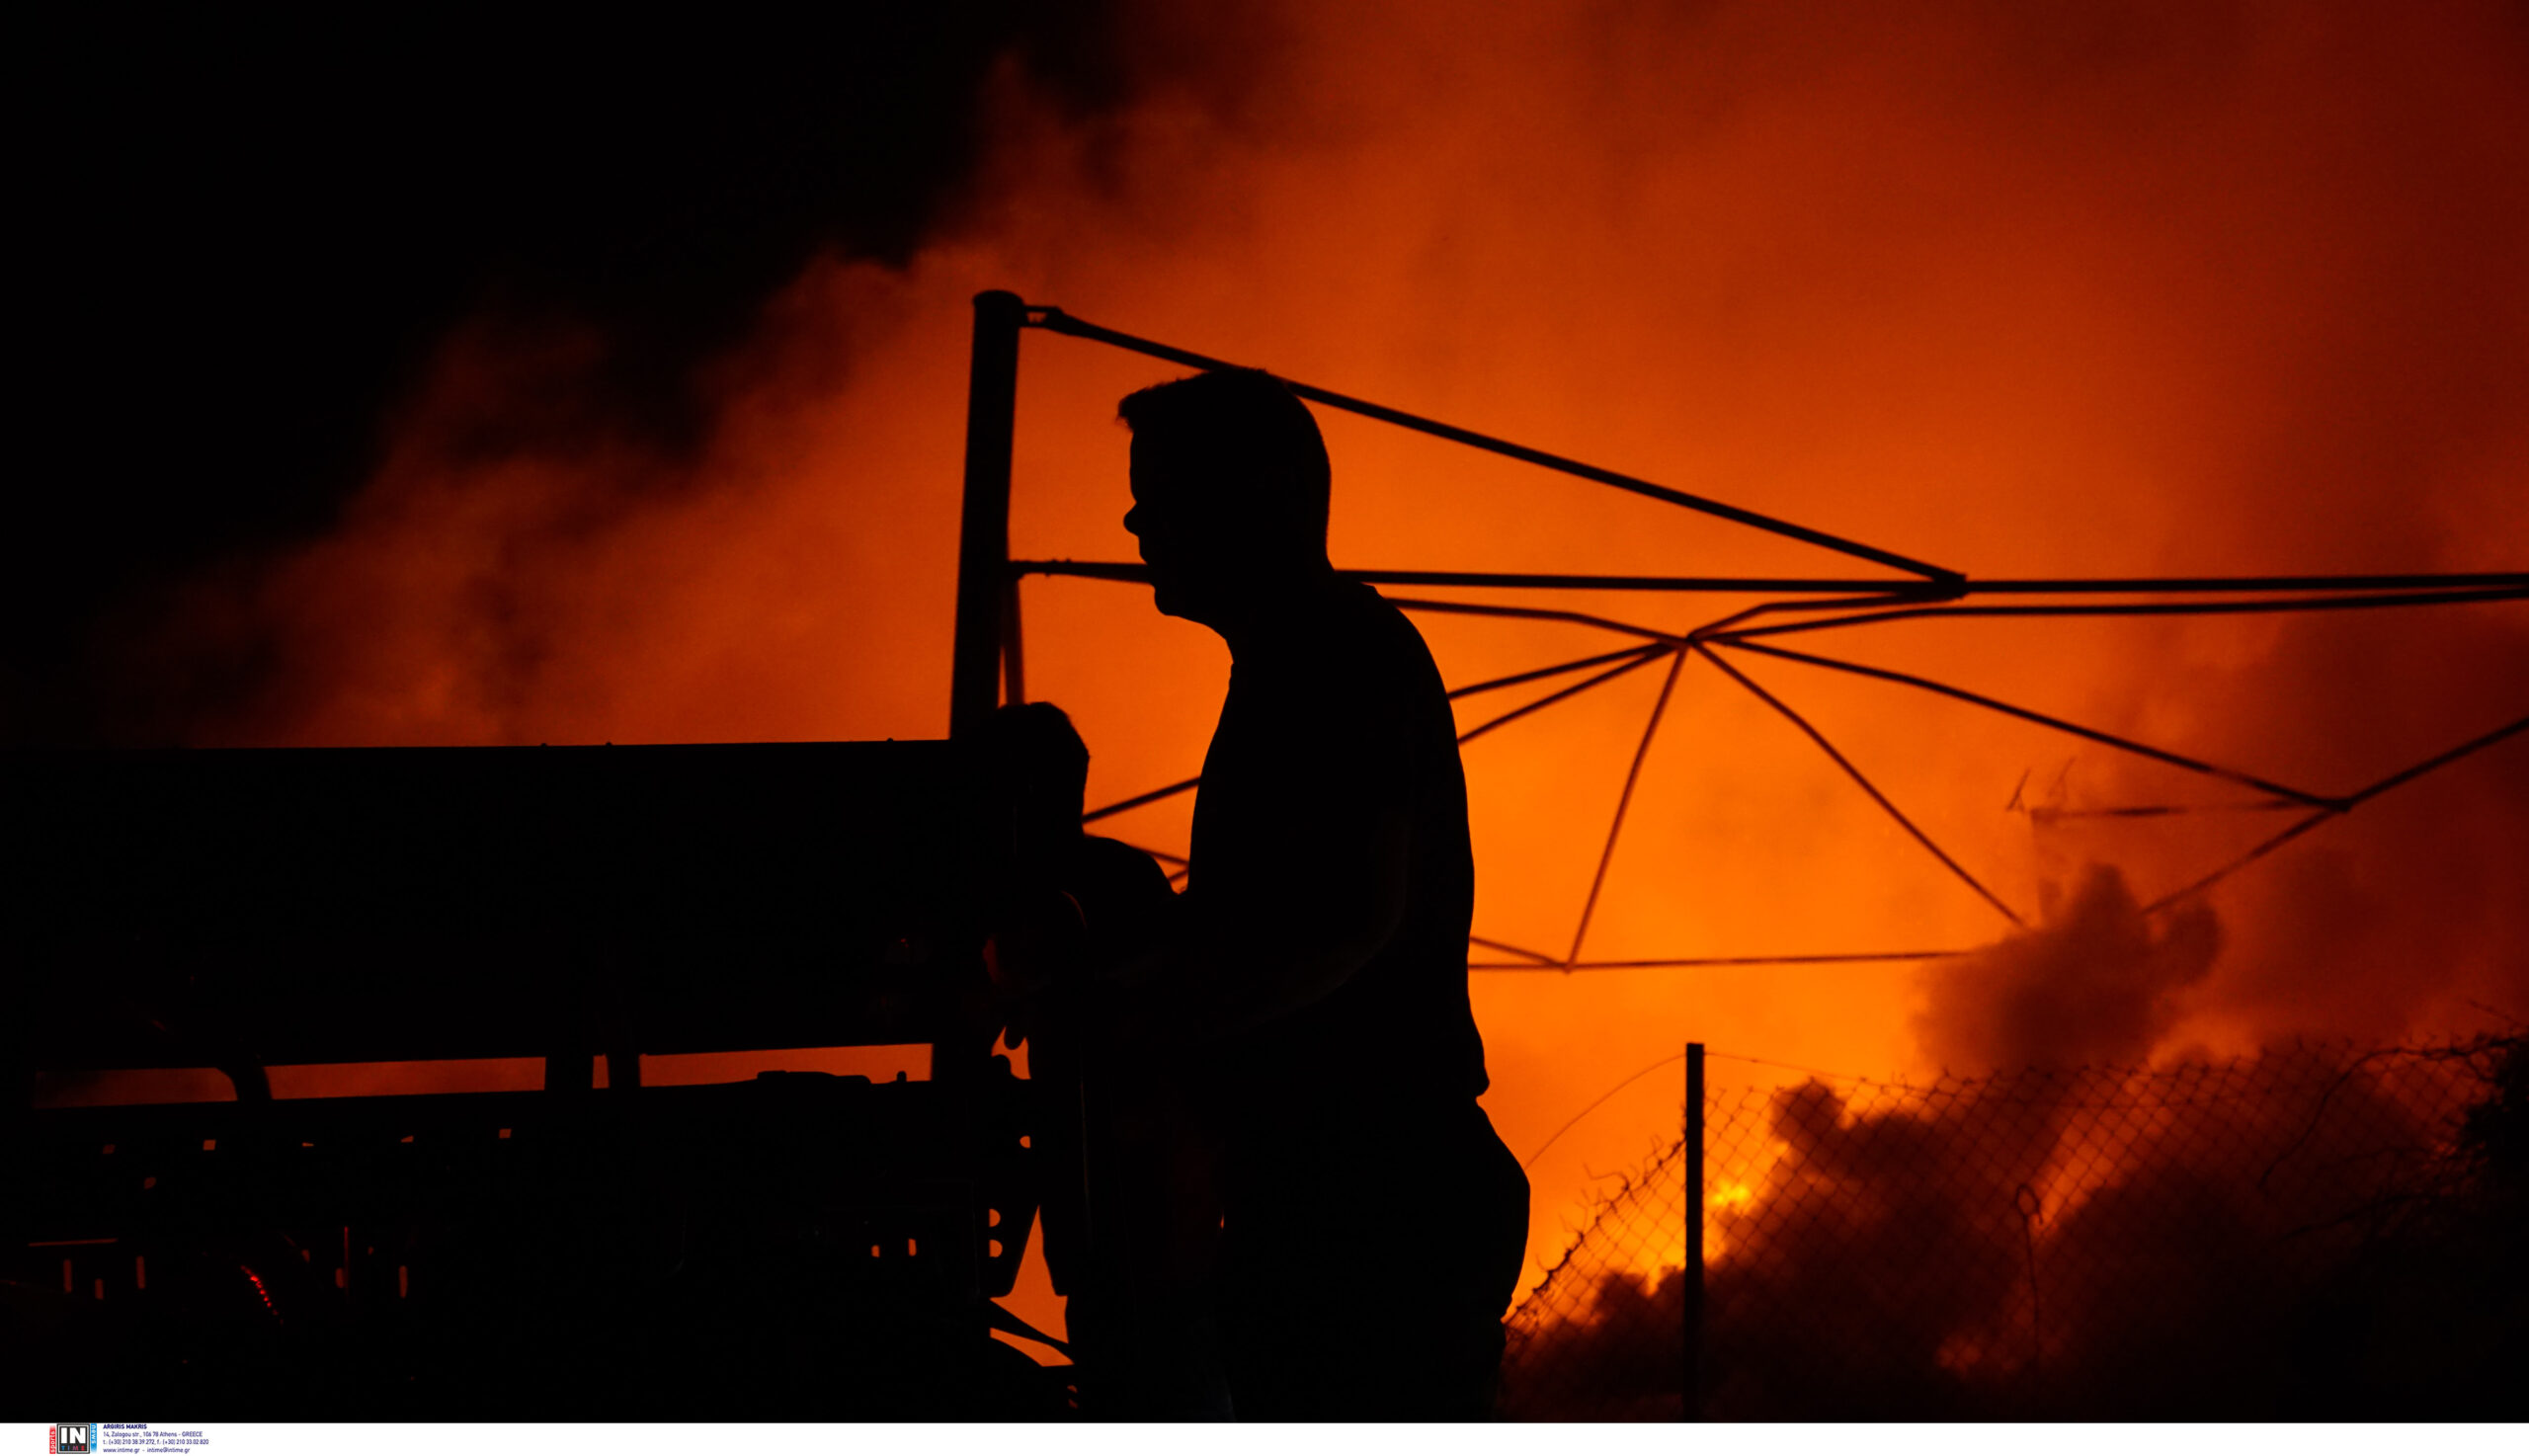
[1032,747]
[1248,426]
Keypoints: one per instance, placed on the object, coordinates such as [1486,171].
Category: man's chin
[1196,601]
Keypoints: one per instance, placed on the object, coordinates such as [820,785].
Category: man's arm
[1315,887]
[1238,973]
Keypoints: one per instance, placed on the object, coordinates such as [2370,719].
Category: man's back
[1337,720]
[1374,1223]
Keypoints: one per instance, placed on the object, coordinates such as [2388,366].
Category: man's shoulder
[1114,863]
[1368,626]
[1354,648]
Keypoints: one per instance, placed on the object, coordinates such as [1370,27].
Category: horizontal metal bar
[1125,571]
[1054,319]
[2413,582]
[1721,626]
[1995,704]
[2364,591]
[2163,811]
[1682,962]
[1536,614]
[1902,612]
[1096,571]
[1583,582]
[1137,800]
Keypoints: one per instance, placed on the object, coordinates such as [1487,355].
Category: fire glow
[2230,293]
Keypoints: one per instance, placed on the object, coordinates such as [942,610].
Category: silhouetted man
[1374,1223]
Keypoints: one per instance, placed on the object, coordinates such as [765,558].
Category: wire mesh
[2241,1238]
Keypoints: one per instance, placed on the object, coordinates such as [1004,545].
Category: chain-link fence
[2309,1232]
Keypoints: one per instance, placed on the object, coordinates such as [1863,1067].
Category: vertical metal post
[1693,1312]
[983,533]
[1013,655]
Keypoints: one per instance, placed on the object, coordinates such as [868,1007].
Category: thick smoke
[2306,1234]
[2098,982]
[255,235]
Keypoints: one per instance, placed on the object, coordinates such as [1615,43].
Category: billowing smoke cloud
[2306,1232]
[494,587]
[2098,982]
[255,235]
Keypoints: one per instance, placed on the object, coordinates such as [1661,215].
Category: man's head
[1041,769]
[1230,484]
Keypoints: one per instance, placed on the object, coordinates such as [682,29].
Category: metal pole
[1694,1388]
[983,537]
[2505,584]
[1063,323]
[1013,655]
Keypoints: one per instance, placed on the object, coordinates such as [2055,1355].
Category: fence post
[1691,1408]
[983,533]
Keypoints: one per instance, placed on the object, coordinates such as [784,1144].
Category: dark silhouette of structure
[806,1245]
[1374,1223]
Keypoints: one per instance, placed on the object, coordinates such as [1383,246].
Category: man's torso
[1343,716]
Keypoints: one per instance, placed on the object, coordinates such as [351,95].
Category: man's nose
[1132,521]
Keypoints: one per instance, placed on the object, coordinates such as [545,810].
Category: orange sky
[2112,290]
